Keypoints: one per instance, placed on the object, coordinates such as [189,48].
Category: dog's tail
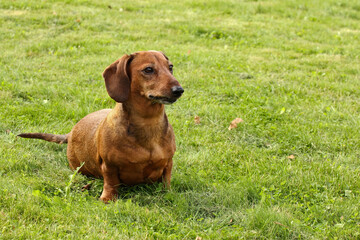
[47,137]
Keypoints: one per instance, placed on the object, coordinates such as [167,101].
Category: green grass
[289,69]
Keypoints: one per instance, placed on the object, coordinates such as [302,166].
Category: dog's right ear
[117,80]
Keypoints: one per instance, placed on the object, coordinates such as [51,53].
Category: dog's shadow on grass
[144,194]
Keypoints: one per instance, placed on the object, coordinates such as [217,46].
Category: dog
[133,143]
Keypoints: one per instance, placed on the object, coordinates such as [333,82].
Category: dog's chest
[156,154]
[145,164]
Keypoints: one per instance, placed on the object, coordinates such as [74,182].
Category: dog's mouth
[176,93]
[162,99]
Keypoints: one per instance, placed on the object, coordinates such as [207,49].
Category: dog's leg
[111,183]
[167,175]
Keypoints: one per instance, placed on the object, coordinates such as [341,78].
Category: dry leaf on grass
[197,120]
[234,123]
[291,157]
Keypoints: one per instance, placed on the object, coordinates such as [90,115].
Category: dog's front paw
[106,197]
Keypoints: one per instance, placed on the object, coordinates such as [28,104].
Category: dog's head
[148,74]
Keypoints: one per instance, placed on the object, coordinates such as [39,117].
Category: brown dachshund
[134,142]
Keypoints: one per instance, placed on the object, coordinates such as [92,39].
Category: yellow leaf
[234,123]
[197,120]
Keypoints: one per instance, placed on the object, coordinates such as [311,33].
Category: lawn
[289,69]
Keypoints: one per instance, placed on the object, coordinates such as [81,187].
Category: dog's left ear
[117,80]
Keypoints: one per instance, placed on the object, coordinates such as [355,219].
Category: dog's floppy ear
[117,80]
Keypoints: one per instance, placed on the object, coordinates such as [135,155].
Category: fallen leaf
[291,157]
[197,120]
[234,123]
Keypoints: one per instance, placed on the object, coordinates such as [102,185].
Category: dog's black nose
[177,91]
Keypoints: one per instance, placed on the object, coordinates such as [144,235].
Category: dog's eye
[148,70]
[171,68]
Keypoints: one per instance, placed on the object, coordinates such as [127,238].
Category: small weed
[72,176]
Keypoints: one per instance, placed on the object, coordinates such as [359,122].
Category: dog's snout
[177,90]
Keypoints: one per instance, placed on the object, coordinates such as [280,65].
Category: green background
[289,69]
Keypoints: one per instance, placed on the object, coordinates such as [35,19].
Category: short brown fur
[134,142]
